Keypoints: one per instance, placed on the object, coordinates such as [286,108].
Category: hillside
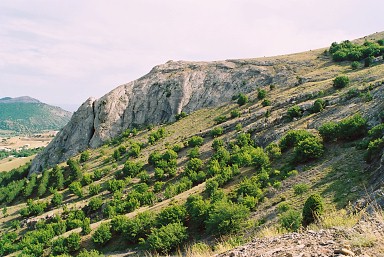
[278,156]
[28,115]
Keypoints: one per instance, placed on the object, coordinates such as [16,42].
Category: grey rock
[156,98]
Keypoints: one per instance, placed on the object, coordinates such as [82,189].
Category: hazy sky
[63,51]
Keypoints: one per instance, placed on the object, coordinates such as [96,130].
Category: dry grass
[10,163]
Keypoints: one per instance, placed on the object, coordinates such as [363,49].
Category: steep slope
[220,177]
[168,90]
[25,115]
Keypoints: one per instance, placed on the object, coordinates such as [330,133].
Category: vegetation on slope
[206,176]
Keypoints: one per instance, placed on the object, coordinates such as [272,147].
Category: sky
[62,52]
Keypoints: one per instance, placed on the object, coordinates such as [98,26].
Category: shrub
[242,99]
[261,94]
[167,237]
[172,214]
[220,119]
[57,199]
[293,137]
[114,185]
[194,152]
[300,188]
[197,209]
[94,189]
[313,209]
[294,112]
[340,82]
[91,253]
[76,188]
[139,227]
[349,128]
[95,203]
[374,149]
[235,114]
[368,61]
[308,149]
[73,242]
[195,141]
[180,115]
[194,164]
[318,106]
[42,188]
[283,207]
[28,189]
[238,127]
[266,102]
[156,136]
[273,150]
[355,65]
[102,234]
[84,156]
[177,147]
[158,186]
[217,143]
[134,150]
[225,217]
[217,131]
[86,226]
[131,169]
[290,220]
[243,139]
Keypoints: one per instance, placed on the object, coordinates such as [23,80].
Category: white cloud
[65,51]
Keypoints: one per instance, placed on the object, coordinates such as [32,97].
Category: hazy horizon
[61,53]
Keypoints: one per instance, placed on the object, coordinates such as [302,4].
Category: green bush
[261,94]
[225,217]
[156,136]
[293,137]
[86,226]
[76,188]
[197,210]
[195,164]
[242,99]
[131,169]
[139,227]
[220,119]
[266,102]
[114,185]
[195,141]
[172,214]
[95,203]
[368,61]
[102,234]
[94,189]
[290,220]
[217,131]
[273,150]
[355,65]
[217,143]
[180,115]
[134,150]
[308,149]
[300,188]
[318,106]
[375,149]
[43,185]
[84,156]
[73,242]
[243,139]
[57,199]
[313,209]
[119,224]
[349,128]
[340,82]
[294,112]
[166,238]
[194,152]
[91,253]
[235,114]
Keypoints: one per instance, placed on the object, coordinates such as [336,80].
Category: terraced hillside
[218,177]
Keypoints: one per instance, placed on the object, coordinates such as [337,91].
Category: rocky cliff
[161,94]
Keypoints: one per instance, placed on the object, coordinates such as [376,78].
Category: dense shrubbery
[349,128]
[293,137]
[348,51]
[167,237]
[33,208]
[308,149]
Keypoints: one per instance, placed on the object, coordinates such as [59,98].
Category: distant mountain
[25,114]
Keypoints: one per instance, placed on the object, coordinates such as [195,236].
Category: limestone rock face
[156,98]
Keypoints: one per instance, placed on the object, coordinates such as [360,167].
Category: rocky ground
[364,239]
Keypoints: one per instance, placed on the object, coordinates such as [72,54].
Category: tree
[94,189]
[242,99]
[102,235]
[172,214]
[261,94]
[42,189]
[86,226]
[73,242]
[28,190]
[340,82]
[313,209]
[318,105]
[167,237]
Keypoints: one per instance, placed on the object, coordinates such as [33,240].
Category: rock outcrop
[161,94]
